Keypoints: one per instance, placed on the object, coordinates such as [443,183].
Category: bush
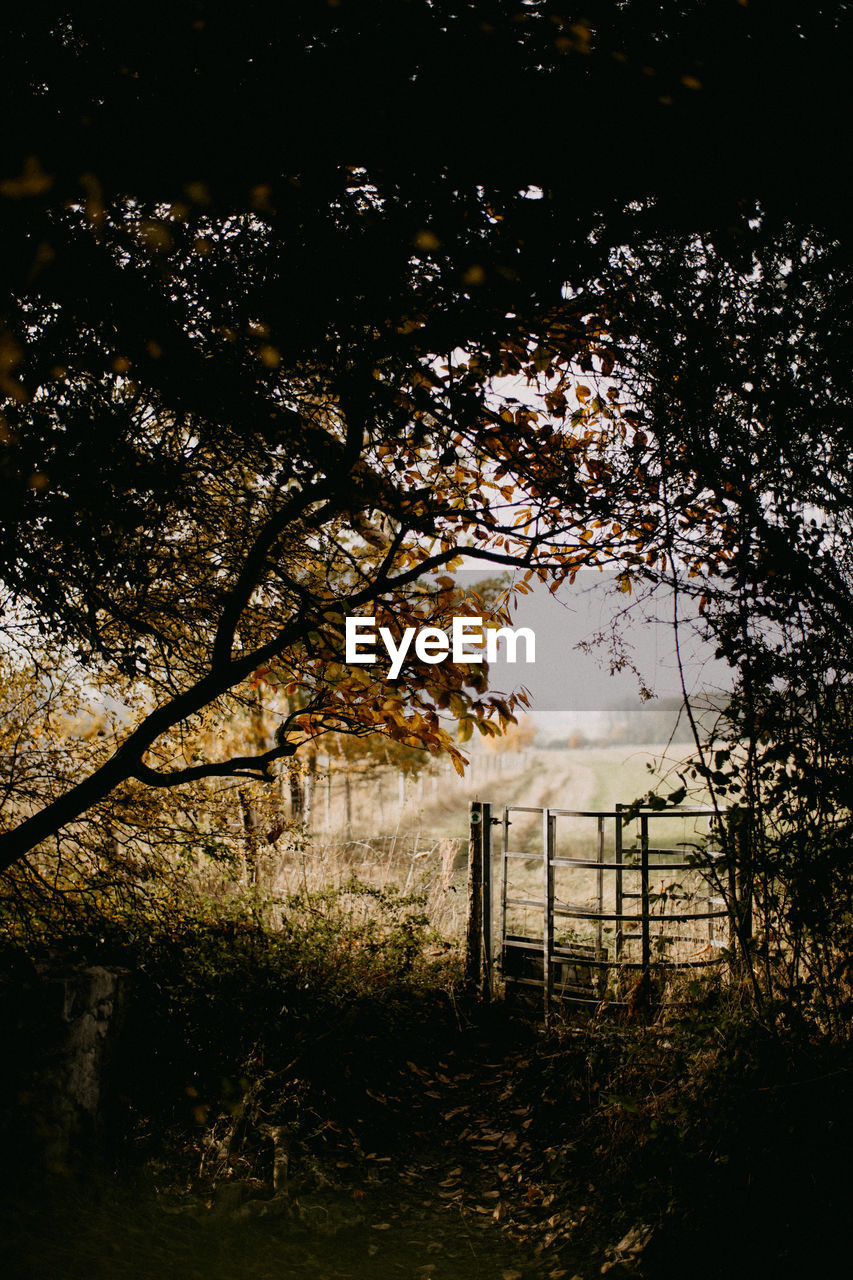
[247,1008]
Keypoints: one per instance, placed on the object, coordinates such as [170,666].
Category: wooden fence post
[474,928]
[486,932]
[740,885]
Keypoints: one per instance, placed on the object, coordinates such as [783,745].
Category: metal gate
[587,899]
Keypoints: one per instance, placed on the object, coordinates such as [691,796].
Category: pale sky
[564,678]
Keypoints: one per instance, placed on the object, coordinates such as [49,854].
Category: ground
[438,1183]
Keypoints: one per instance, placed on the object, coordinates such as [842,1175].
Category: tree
[743,392]
[249,389]
[210,510]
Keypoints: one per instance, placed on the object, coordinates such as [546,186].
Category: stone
[65,1032]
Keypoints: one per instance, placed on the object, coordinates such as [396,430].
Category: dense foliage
[286,324]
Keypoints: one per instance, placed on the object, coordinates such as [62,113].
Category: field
[411,833]
[436,804]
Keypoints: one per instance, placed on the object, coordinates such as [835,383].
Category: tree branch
[249,575]
[237,767]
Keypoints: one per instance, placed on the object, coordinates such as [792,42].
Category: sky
[565,678]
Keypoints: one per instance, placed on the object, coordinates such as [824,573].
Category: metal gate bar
[594,959]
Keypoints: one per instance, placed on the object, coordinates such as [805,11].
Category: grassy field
[437,804]
[412,833]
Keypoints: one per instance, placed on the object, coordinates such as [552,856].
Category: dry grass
[411,833]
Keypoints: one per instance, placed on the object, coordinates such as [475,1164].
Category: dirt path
[451,1183]
[467,1162]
